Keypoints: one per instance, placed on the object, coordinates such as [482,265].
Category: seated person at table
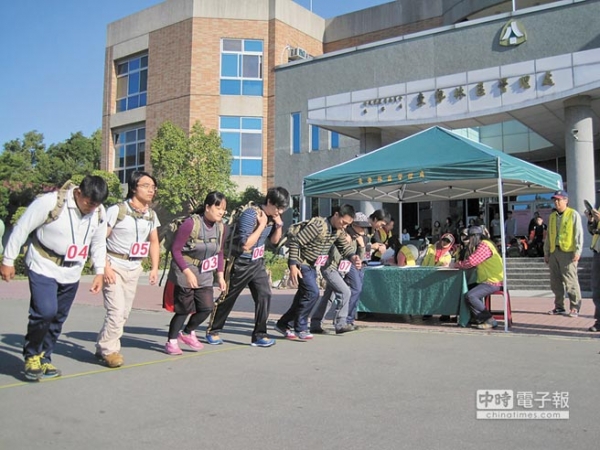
[440,253]
[405,236]
[399,255]
[490,273]
[377,221]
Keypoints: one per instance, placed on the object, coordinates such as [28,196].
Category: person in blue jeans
[308,250]
[66,227]
[344,282]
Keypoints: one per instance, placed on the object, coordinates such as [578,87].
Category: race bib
[76,253]
[321,260]
[344,266]
[210,264]
[258,252]
[139,250]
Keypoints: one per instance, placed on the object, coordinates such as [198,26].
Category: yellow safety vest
[429,259]
[410,258]
[491,270]
[566,237]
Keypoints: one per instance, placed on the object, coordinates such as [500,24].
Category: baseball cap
[475,230]
[361,220]
[560,194]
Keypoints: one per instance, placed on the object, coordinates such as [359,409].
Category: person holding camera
[593,225]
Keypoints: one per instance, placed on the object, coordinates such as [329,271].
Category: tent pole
[502,244]
[303,202]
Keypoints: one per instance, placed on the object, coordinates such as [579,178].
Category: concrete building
[201,60]
[292,93]
[525,82]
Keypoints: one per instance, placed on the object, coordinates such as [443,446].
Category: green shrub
[276,264]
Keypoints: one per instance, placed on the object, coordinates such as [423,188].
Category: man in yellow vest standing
[562,251]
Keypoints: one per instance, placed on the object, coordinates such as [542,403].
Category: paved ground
[390,385]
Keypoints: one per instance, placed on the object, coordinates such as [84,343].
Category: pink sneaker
[190,340]
[172,348]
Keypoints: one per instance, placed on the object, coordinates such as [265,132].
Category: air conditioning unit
[298,53]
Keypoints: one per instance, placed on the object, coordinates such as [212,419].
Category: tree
[78,155]
[250,194]
[18,171]
[188,168]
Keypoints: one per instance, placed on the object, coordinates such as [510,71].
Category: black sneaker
[557,311]
[595,327]
[319,331]
[33,368]
[50,371]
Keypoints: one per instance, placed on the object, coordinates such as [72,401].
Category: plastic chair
[499,314]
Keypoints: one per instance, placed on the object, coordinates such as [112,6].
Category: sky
[52,53]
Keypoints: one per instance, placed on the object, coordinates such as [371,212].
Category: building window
[243,136]
[241,67]
[334,139]
[132,83]
[314,138]
[295,134]
[130,152]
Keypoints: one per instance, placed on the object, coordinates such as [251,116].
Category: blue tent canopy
[435,164]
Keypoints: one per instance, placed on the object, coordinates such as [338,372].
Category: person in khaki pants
[562,251]
[132,236]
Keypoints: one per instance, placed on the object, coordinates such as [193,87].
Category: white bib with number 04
[76,253]
[344,266]
[258,253]
[210,264]
[321,260]
[139,249]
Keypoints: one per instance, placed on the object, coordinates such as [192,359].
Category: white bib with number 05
[139,249]
[76,253]
[210,264]
[258,252]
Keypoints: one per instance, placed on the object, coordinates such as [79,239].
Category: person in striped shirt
[490,274]
[255,226]
[308,251]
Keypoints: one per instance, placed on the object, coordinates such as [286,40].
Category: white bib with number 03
[139,249]
[210,264]
[258,253]
[344,266]
[76,253]
[321,260]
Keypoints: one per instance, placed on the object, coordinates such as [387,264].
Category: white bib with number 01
[76,253]
[210,264]
[321,260]
[139,249]
[258,252]
[344,266]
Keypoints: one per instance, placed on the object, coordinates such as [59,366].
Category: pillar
[579,152]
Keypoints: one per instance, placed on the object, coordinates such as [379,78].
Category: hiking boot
[190,340]
[213,339]
[344,329]
[172,348]
[263,342]
[557,311]
[113,360]
[50,371]
[33,368]
[490,323]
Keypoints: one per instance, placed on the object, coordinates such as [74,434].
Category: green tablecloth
[415,290]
